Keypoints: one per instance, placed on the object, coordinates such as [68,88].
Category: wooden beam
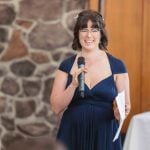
[124,24]
[94,4]
[145,104]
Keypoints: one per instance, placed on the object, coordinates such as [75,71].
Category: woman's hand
[122,84]
[75,76]
[127,109]
[116,111]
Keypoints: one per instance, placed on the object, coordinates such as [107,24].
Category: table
[138,133]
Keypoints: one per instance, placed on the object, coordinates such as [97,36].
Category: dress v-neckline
[99,82]
[102,80]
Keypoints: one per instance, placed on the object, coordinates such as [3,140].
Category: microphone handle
[81,84]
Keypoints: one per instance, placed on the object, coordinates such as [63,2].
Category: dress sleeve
[117,65]
[66,64]
[120,67]
[63,66]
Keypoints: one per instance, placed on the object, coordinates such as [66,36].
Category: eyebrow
[90,27]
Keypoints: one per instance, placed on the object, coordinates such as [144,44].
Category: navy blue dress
[89,123]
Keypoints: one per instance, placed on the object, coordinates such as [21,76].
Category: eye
[95,30]
[83,30]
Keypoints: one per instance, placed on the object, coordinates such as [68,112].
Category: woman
[90,123]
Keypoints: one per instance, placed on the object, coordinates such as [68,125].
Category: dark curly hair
[97,22]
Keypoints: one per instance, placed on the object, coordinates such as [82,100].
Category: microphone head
[81,60]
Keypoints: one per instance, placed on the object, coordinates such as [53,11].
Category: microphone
[81,77]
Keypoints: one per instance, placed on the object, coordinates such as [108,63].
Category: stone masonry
[35,36]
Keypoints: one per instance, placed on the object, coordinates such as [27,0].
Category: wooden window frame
[94,4]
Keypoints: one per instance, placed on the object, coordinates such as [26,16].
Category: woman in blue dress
[90,123]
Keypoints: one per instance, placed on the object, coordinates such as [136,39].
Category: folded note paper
[120,101]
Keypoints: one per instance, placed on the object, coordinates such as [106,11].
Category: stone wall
[35,36]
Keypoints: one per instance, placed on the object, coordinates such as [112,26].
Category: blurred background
[35,36]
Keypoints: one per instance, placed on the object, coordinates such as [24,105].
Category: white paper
[120,101]
[0,145]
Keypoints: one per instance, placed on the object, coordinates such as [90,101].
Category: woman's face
[89,37]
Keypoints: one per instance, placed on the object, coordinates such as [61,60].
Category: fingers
[114,104]
[85,70]
[76,74]
[81,70]
[127,110]
[117,114]
[127,113]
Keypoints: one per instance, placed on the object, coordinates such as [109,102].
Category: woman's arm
[61,97]
[122,84]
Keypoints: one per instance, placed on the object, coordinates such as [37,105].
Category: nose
[89,34]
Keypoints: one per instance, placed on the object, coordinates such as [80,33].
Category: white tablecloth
[138,133]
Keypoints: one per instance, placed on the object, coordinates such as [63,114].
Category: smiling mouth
[88,42]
